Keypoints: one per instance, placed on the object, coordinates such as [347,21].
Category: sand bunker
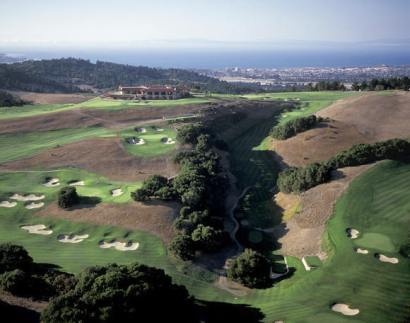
[345,309]
[159,129]
[37,229]
[362,251]
[135,141]
[352,233]
[168,141]
[305,264]
[384,258]
[78,183]
[33,205]
[53,182]
[7,204]
[121,246]
[65,238]
[25,198]
[117,192]
[142,130]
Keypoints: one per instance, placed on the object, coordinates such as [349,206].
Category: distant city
[286,77]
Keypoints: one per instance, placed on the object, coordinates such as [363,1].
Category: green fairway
[95,103]
[154,141]
[310,102]
[376,241]
[376,202]
[16,146]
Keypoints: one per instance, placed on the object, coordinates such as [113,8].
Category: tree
[182,247]
[14,257]
[188,134]
[208,238]
[68,197]
[118,293]
[251,269]
[21,283]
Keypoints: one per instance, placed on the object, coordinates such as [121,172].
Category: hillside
[70,75]
[363,119]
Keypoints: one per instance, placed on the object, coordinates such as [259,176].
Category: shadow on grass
[86,202]
[215,312]
[13,313]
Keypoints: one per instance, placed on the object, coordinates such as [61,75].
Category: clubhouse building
[155,92]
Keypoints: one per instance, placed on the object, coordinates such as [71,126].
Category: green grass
[153,145]
[95,185]
[310,102]
[375,241]
[313,261]
[377,202]
[95,103]
[16,146]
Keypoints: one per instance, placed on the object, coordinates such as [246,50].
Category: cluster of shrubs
[20,276]
[67,197]
[295,126]
[9,100]
[383,84]
[325,86]
[304,178]
[201,189]
[251,269]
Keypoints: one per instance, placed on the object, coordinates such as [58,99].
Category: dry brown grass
[153,217]
[364,119]
[54,98]
[302,234]
[104,156]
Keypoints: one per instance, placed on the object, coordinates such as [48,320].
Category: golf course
[366,276]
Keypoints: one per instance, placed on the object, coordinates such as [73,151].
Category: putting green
[375,241]
[153,141]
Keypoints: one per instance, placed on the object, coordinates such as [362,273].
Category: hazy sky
[105,22]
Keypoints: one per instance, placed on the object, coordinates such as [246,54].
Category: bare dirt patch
[54,98]
[364,119]
[104,156]
[302,234]
[156,218]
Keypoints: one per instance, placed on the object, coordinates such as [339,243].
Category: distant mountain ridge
[68,74]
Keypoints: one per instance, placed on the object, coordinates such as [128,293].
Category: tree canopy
[119,293]
[251,269]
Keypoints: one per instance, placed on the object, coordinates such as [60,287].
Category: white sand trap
[142,130]
[352,233]
[7,204]
[69,238]
[121,246]
[345,309]
[37,229]
[168,141]
[390,260]
[362,251]
[117,192]
[159,129]
[79,183]
[135,141]
[29,197]
[52,182]
[33,205]
[305,264]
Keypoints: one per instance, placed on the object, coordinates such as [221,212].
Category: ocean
[214,59]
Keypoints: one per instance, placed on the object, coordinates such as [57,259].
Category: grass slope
[95,103]
[17,146]
[377,202]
